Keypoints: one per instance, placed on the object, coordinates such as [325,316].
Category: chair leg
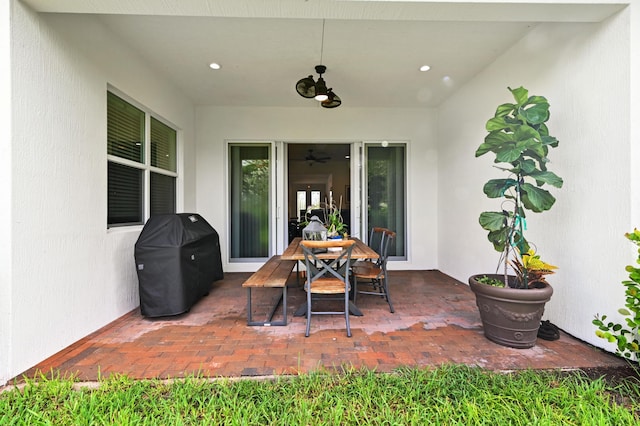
[346,313]
[355,288]
[306,334]
[386,292]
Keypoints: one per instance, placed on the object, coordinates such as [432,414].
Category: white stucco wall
[583,69]
[70,275]
[5,189]
[634,110]
[216,125]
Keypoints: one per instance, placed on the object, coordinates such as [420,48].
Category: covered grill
[177,259]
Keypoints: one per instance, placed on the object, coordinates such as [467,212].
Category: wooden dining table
[360,251]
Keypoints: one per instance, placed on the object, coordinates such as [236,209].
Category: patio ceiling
[372,49]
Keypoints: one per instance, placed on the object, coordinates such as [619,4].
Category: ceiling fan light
[321,90]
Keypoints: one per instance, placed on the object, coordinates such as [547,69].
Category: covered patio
[436,322]
[69,295]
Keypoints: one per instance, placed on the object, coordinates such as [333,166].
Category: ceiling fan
[308,88]
[311,158]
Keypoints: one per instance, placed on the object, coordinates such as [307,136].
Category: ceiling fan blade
[320,159]
[333,100]
[306,87]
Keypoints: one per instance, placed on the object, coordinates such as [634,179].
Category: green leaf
[504,109]
[535,100]
[496,123]
[536,114]
[493,221]
[492,142]
[521,95]
[483,149]
[528,138]
[498,137]
[541,159]
[543,129]
[624,311]
[527,166]
[521,242]
[508,153]
[535,149]
[536,199]
[495,188]
[547,177]
[549,140]
[499,239]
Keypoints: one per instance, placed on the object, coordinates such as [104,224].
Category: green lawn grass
[448,395]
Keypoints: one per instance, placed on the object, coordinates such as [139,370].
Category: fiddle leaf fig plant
[520,140]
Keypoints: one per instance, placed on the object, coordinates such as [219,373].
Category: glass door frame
[282,184]
[364,191]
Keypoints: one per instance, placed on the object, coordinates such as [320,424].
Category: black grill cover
[177,258]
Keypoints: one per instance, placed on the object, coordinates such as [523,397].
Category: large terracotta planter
[510,317]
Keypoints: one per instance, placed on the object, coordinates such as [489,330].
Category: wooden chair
[375,274]
[376,242]
[327,275]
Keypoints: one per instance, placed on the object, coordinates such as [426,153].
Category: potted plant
[333,221]
[336,228]
[511,308]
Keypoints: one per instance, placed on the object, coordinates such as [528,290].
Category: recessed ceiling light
[425,68]
[214,66]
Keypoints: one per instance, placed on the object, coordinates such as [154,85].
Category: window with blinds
[142,166]
[125,202]
[163,146]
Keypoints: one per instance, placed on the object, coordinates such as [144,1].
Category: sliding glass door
[250,211]
[271,185]
[386,191]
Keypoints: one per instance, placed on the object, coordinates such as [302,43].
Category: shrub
[625,335]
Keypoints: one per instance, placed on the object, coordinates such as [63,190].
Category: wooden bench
[273,274]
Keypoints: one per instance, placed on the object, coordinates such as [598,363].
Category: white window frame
[146,166]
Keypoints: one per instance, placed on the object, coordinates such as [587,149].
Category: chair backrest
[388,239]
[319,263]
[376,240]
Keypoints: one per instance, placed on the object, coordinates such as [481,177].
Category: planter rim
[518,293]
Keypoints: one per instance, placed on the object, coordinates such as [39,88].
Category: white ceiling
[372,49]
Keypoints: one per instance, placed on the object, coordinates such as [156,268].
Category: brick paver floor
[436,322]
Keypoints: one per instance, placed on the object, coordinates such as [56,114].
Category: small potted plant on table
[336,228]
[511,305]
